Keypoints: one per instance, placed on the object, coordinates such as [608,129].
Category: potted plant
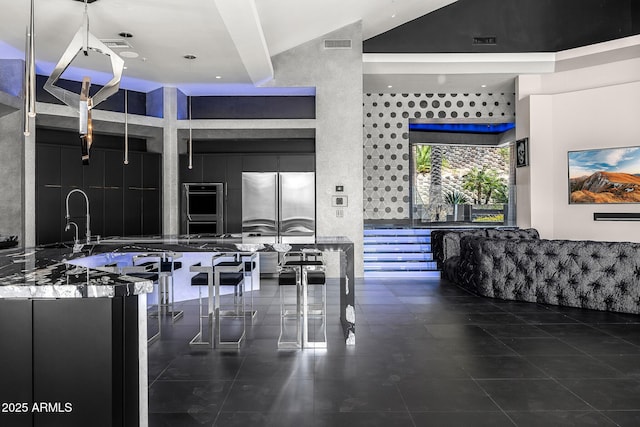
[456,198]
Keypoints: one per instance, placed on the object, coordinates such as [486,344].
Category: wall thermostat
[339,201]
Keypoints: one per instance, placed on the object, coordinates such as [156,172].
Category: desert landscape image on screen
[610,175]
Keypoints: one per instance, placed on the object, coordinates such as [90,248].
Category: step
[397,232]
[398,256]
[393,248]
[400,266]
[396,239]
[402,274]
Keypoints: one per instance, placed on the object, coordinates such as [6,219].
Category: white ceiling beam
[243,24]
[459,63]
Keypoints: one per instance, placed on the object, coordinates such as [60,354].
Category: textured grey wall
[386,140]
[11,175]
[337,76]
[170,193]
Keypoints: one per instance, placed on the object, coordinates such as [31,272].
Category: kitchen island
[73,342]
[74,338]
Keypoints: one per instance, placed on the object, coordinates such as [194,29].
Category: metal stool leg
[155,337]
[285,311]
[198,339]
[234,271]
[320,312]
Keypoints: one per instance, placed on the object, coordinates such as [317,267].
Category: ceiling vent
[491,40]
[337,44]
[116,44]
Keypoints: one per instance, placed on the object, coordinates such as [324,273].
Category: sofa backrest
[524,233]
[437,247]
[587,274]
[451,239]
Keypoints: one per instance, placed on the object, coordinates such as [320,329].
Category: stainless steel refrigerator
[278,208]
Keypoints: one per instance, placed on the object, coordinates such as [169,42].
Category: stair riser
[395,266]
[397,248]
[397,240]
[403,274]
[373,257]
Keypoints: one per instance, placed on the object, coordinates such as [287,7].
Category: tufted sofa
[446,244]
[586,274]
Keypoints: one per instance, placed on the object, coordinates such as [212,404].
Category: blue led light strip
[462,127]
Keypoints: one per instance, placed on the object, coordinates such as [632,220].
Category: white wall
[596,109]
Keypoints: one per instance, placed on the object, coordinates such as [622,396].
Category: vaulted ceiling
[234,40]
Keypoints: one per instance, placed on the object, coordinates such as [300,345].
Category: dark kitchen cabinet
[297,163]
[216,168]
[71,167]
[142,194]
[151,194]
[234,210]
[234,172]
[113,169]
[113,194]
[79,354]
[49,208]
[113,212]
[16,359]
[260,163]
[93,178]
[195,173]
[124,200]
[133,195]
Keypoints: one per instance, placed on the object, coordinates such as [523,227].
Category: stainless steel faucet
[68,226]
[86,198]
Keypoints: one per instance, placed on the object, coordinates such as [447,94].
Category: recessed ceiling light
[129,54]
[483,85]
[125,35]
[389,86]
[218,77]
[393,16]
[189,57]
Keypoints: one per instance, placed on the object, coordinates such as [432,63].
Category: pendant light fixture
[190,146]
[84,41]
[30,73]
[190,58]
[126,127]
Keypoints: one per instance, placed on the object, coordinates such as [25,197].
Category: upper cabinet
[123,199]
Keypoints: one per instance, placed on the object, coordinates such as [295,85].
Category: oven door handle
[187,206]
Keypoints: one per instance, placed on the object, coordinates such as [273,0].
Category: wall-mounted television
[608,175]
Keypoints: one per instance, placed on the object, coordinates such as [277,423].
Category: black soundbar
[621,216]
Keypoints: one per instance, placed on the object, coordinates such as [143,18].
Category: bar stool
[251,275]
[310,271]
[167,266]
[164,263]
[289,277]
[313,276]
[226,270]
[147,271]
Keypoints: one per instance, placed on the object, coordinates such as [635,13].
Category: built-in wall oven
[203,208]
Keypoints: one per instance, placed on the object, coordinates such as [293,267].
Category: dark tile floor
[428,353]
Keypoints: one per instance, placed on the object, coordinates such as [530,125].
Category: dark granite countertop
[48,272]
